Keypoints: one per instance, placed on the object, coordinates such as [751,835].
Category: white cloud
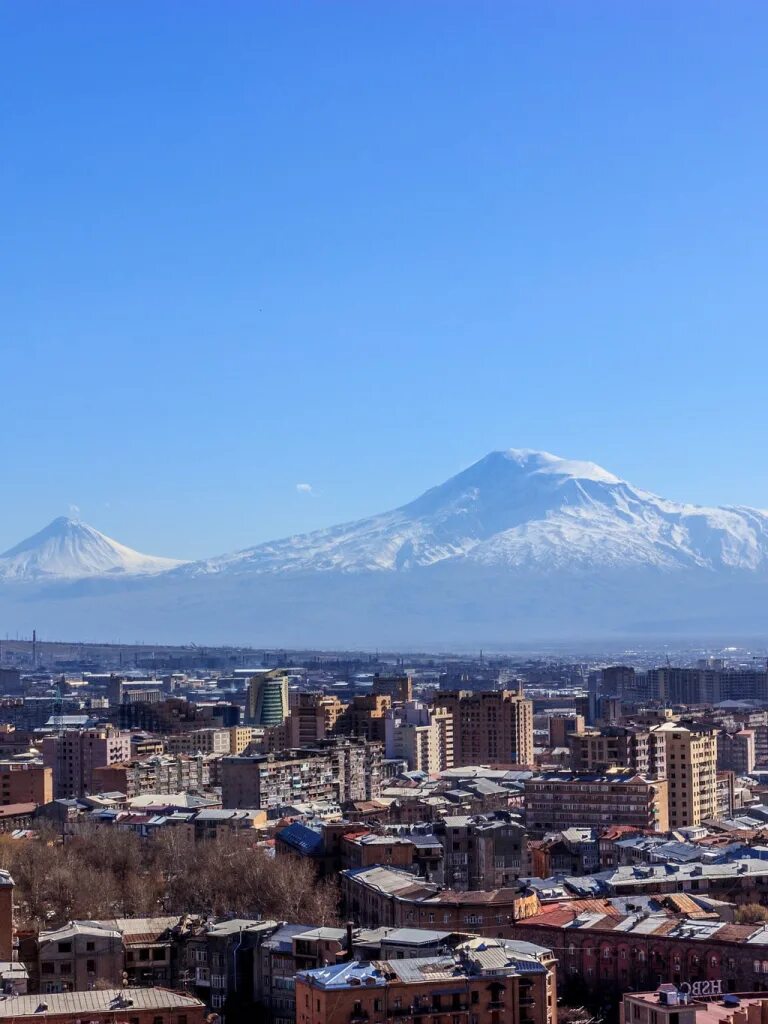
[74,511]
[304,488]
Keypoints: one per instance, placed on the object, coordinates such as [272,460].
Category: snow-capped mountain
[522,509]
[522,546]
[67,549]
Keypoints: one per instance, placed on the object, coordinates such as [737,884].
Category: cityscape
[384,533]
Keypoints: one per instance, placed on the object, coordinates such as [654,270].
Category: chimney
[350,950]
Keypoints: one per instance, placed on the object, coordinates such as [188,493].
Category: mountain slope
[522,509]
[69,550]
[520,548]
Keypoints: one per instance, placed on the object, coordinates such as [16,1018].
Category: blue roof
[355,972]
[306,840]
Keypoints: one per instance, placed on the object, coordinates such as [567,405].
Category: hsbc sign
[713,987]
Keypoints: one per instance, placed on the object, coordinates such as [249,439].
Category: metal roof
[121,1001]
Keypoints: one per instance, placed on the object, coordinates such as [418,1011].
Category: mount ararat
[521,546]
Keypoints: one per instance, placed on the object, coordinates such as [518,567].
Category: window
[46,967]
[65,967]
[90,947]
[90,966]
[143,954]
[65,947]
[158,954]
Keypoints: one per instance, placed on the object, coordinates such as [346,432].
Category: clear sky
[357,245]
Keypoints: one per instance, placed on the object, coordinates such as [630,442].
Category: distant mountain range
[522,545]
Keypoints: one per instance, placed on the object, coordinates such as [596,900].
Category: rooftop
[95,1001]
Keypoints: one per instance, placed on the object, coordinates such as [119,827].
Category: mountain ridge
[519,545]
[520,507]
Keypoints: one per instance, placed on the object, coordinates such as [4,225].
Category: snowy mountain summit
[69,550]
[522,509]
[520,545]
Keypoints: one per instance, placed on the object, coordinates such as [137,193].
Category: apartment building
[383,897]
[365,716]
[78,956]
[420,736]
[398,688]
[163,773]
[105,1006]
[555,801]
[481,852]
[73,756]
[313,717]
[338,769]
[490,982]
[736,751]
[493,727]
[200,741]
[25,782]
[270,781]
[629,746]
[691,768]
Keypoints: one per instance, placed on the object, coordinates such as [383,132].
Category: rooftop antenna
[34,649]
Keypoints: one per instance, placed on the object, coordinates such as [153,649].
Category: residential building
[494,727]
[271,781]
[691,766]
[74,754]
[107,1006]
[736,751]
[313,717]
[423,737]
[629,746]
[700,1002]
[78,956]
[240,737]
[482,852]
[200,741]
[162,773]
[25,782]
[6,916]
[561,727]
[338,769]
[609,948]
[148,945]
[364,716]
[388,897]
[555,801]
[398,688]
[488,982]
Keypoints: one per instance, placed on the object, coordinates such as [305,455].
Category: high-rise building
[629,746]
[25,782]
[736,751]
[691,766]
[313,716]
[422,736]
[399,688]
[364,716]
[75,753]
[268,697]
[489,727]
[562,727]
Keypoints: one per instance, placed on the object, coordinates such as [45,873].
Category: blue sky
[358,245]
